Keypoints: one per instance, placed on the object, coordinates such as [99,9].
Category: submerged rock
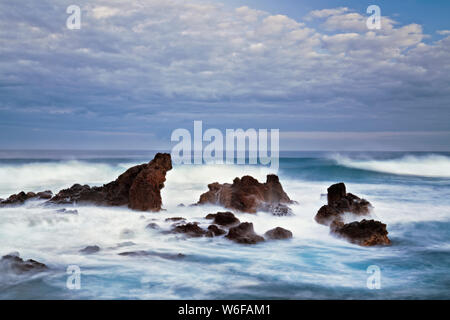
[138,188]
[143,253]
[339,202]
[21,197]
[90,250]
[278,233]
[363,233]
[244,233]
[223,218]
[152,225]
[247,194]
[13,262]
[65,211]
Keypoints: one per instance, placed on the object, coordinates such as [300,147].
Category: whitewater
[410,193]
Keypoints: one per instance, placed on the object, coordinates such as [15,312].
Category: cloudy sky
[137,70]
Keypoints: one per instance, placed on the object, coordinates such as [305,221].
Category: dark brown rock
[223,218]
[138,188]
[175,219]
[278,234]
[215,231]
[247,194]
[21,197]
[244,233]
[190,229]
[363,233]
[14,263]
[339,202]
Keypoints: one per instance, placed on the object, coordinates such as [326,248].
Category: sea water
[410,192]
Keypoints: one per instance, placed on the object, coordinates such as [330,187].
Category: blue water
[410,193]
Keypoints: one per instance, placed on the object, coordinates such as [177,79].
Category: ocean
[410,193]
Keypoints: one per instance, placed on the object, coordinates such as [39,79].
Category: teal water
[410,193]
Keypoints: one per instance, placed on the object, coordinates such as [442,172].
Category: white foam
[427,166]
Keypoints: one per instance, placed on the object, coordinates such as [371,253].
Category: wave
[431,165]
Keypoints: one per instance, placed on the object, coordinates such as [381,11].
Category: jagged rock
[278,233]
[363,233]
[21,197]
[244,233]
[190,229]
[13,262]
[90,250]
[215,231]
[223,218]
[247,194]
[339,202]
[138,188]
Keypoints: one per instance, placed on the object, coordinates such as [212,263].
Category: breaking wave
[431,165]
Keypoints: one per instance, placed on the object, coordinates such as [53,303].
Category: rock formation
[244,233]
[339,202]
[138,188]
[223,218]
[21,197]
[249,195]
[363,233]
[278,234]
[14,263]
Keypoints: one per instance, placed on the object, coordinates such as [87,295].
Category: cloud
[145,64]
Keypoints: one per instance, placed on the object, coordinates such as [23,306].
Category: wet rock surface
[340,202]
[363,233]
[244,233]
[278,233]
[21,197]
[90,250]
[14,263]
[190,229]
[138,188]
[215,231]
[223,218]
[247,194]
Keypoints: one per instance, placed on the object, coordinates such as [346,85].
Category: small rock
[152,225]
[90,250]
[13,262]
[174,219]
[363,233]
[215,231]
[65,211]
[244,233]
[190,229]
[223,218]
[278,234]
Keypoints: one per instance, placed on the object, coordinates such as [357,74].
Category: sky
[137,70]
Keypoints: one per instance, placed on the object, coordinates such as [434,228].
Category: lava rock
[244,233]
[363,233]
[14,263]
[215,231]
[339,202]
[190,229]
[21,197]
[278,233]
[139,188]
[223,218]
[247,194]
